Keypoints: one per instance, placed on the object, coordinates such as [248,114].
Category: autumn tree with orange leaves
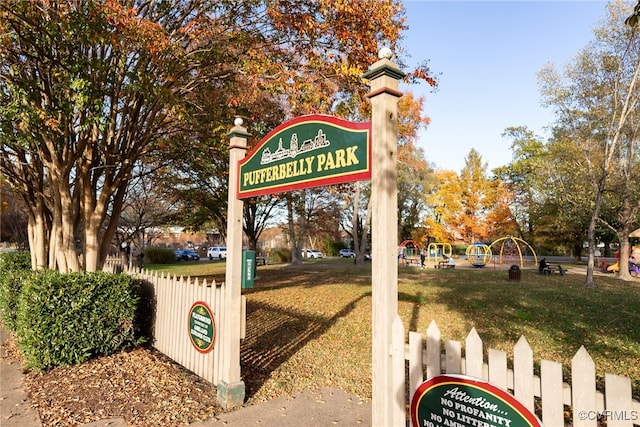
[414,182]
[90,89]
[470,206]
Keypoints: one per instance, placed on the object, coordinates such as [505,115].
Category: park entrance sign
[308,151]
[317,150]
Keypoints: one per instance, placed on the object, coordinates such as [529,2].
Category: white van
[217,252]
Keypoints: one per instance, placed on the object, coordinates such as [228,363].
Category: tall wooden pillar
[383,79]
[231,389]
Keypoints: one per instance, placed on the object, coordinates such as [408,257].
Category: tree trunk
[355,220]
[37,226]
[625,251]
[591,236]
[577,252]
[293,239]
[363,237]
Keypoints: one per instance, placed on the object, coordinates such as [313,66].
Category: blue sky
[489,54]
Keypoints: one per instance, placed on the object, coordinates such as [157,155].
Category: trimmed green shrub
[157,255]
[15,261]
[14,267]
[11,283]
[65,319]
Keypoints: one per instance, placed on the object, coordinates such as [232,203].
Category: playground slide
[613,268]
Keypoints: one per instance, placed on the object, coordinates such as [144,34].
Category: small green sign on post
[248,269]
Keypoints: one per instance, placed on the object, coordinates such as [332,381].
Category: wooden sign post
[231,389]
[383,76]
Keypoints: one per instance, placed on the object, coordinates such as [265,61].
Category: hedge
[157,255]
[15,268]
[15,261]
[65,319]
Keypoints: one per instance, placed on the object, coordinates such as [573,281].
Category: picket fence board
[552,393]
[498,368]
[556,396]
[434,349]
[617,399]
[473,354]
[523,373]
[453,356]
[583,378]
[415,361]
[397,384]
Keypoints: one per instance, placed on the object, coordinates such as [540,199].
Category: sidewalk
[15,407]
[325,407]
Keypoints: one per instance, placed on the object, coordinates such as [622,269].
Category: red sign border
[506,397]
[215,327]
[334,179]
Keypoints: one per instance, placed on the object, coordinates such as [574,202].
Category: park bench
[445,264]
[554,269]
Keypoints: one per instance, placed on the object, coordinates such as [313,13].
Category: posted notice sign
[461,401]
[202,327]
[308,151]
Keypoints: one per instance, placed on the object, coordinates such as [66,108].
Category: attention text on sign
[459,401]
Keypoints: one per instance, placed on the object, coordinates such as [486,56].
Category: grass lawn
[310,325]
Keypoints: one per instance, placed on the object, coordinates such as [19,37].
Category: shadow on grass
[275,334]
[556,314]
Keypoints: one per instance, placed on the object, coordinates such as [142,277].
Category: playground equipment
[479,254]
[409,252]
[633,266]
[511,249]
[437,252]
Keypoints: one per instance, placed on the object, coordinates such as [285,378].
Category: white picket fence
[172,298]
[615,404]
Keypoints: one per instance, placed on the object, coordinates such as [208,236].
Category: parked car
[346,253]
[187,255]
[312,253]
[217,252]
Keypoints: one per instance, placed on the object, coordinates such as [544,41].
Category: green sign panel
[202,327]
[305,152]
[461,401]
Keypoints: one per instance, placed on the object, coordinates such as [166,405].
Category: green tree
[311,217]
[524,178]
[597,104]
[549,195]
[89,88]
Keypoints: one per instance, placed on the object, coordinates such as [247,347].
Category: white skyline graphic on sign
[319,141]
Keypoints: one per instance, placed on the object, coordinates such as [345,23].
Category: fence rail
[587,404]
[169,299]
